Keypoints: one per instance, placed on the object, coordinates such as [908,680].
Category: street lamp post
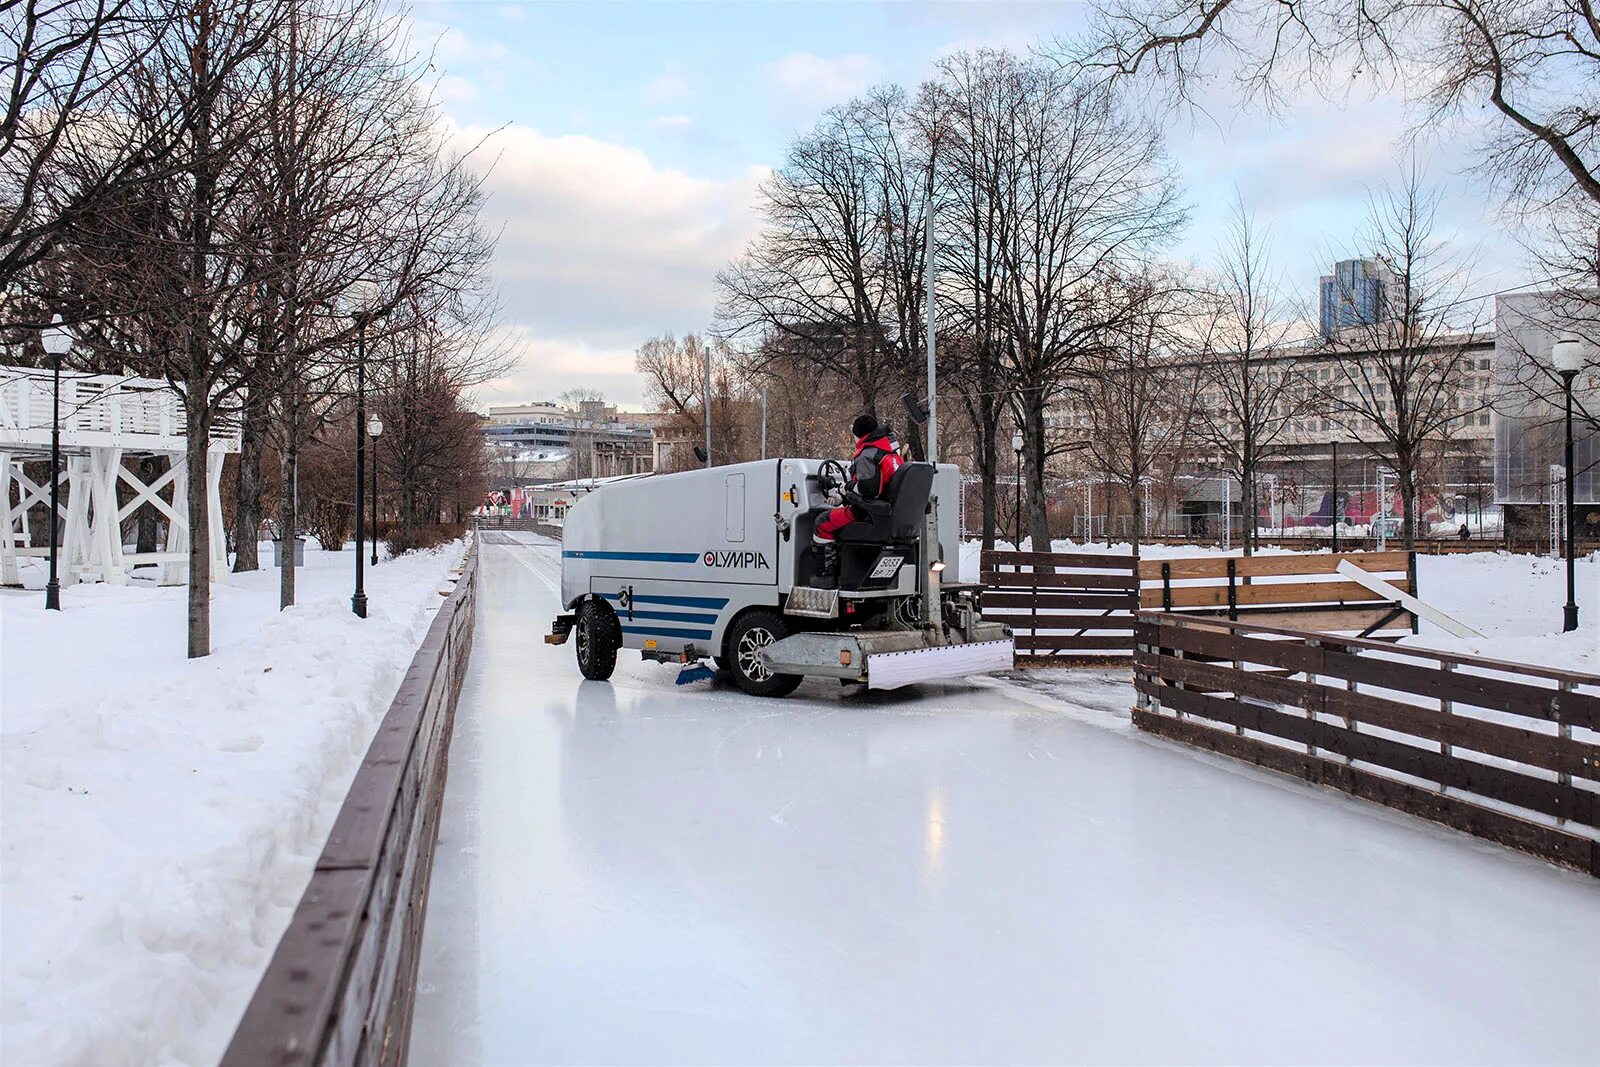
[374,431]
[1333,497]
[56,343]
[358,602]
[1566,355]
[1016,447]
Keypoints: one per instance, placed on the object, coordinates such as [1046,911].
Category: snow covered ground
[1004,871]
[1514,600]
[161,816]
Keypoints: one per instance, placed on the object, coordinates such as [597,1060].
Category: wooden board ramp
[1077,608]
[1305,592]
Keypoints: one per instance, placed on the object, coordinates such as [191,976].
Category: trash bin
[299,552]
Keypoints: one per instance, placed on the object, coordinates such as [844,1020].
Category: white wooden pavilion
[105,419]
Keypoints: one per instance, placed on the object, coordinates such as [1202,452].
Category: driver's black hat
[864,425]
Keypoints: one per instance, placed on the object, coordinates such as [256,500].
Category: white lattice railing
[105,410]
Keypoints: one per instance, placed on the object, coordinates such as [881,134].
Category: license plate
[887,566]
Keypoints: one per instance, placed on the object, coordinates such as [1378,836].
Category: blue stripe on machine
[673,616]
[654,631]
[637,557]
[675,601]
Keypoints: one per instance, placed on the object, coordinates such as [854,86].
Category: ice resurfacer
[718,563]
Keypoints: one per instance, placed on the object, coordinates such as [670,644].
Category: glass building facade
[1530,437]
[1355,294]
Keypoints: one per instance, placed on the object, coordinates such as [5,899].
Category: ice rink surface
[634,872]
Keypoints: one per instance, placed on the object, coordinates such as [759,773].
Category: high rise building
[1355,294]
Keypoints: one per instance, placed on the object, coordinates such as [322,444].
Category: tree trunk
[1034,455]
[1137,533]
[1405,464]
[248,486]
[150,468]
[1247,477]
[198,418]
[288,520]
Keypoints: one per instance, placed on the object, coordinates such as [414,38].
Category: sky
[625,142]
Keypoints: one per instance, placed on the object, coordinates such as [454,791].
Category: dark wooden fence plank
[1072,642]
[340,986]
[1049,600]
[1546,842]
[1496,783]
[1392,711]
[1062,603]
[1547,751]
[1056,580]
[1077,560]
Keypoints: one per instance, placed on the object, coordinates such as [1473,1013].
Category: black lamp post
[1566,356]
[358,602]
[374,431]
[1333,504]
[1016,447]
[56,343]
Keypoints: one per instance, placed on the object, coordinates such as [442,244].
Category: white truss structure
[105,419]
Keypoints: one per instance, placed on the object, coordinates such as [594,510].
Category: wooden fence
[1077,608]
[502,522]
[340,987]
[1064,608]
[1303,592]
[1505,751]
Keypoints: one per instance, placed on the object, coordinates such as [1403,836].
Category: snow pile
[162,816]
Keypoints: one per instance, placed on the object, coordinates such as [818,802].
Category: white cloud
[601,247]
[673,122]
[665,89]
[808,81]
[547,367]
[454,89]
[512,12]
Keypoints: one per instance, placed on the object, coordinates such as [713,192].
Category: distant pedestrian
[1464,533]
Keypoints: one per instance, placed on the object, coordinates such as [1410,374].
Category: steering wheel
[831,475]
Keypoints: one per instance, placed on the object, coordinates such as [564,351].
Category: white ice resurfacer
[718,563]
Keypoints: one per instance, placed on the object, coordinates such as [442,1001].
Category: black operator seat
[898,515]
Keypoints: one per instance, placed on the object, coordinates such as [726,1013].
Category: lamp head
[374,426]
[1016,442]
[57,342]
[1566,355]
[360,297]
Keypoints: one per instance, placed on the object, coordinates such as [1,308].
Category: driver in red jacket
[877,457]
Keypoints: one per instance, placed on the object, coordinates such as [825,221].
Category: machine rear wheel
[599,636]
[754,631]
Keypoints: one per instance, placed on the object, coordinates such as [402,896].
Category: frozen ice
[634,872]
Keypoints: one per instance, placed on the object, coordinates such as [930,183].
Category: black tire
[598,636]
[750,633]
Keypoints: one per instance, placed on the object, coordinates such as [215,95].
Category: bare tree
[309,180]
[977,93]
[675,385]
[166,272]
[1085,192]
[1250,393]
[1535,64]
[66,148]
[1137,392]
[838,267]
[1399,381]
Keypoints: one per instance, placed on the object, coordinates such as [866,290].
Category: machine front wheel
[599,636]
[754,631]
